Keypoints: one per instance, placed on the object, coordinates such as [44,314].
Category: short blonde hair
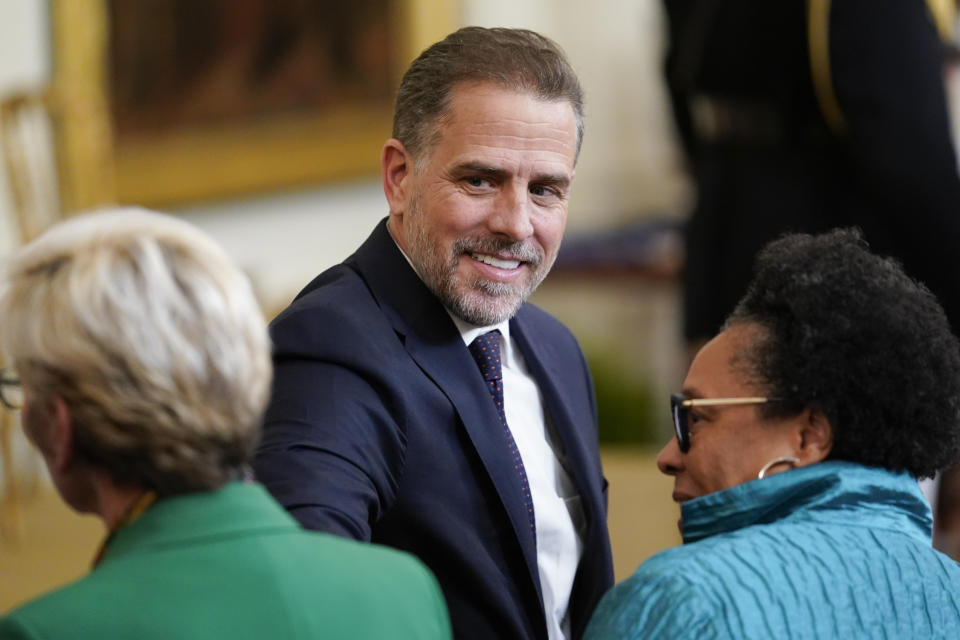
[151,336]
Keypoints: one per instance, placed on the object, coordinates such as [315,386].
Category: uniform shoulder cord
[943,12]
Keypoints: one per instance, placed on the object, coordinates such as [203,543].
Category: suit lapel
[573,427]
[453,370]
[434,343]
[544,363]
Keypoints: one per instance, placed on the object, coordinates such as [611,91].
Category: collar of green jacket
[241,509]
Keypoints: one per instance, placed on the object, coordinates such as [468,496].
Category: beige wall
[24,63]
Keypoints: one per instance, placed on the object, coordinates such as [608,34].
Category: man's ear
[396,169]
[816,437]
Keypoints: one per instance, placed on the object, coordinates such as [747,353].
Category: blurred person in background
[804,115]
[142,365]
[419,402]
[800,434]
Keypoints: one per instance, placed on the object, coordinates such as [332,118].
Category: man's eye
[477,181]
[541,190]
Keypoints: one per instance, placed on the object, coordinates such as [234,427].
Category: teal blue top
[832,550]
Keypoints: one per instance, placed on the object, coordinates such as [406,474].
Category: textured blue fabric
[833,550]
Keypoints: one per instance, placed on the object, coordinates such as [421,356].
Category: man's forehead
[510,120]
[464,96]
[469,108]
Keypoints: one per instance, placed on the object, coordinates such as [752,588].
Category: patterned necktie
[485,350]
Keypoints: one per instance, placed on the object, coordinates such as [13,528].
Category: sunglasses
[680,410]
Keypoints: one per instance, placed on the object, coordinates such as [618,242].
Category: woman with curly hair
[800,435]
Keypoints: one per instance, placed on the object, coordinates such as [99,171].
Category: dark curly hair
[848,333]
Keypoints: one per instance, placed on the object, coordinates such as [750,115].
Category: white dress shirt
[557,506]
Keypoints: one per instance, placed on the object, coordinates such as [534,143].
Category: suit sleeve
[331,452]
[887,66]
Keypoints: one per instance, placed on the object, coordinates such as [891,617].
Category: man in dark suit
[418,402]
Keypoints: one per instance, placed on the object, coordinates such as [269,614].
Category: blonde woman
[144,367]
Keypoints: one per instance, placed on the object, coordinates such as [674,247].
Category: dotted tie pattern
[485,350]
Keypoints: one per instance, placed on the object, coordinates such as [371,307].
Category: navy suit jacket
[381,428]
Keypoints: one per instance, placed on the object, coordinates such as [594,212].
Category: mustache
[523,251]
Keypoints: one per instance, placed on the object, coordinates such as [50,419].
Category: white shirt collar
[470,332]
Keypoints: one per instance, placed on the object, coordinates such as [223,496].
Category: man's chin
[482,309]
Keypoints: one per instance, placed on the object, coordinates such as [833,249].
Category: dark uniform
[781,140]
[805,115]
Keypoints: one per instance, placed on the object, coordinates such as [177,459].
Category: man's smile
[500,263]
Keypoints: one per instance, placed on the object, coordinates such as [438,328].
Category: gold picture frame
[96,164]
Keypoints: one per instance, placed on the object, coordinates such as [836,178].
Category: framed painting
[164,102]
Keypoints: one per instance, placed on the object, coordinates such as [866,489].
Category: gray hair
[152,338]
[516,59]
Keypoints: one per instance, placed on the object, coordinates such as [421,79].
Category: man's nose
[512,216]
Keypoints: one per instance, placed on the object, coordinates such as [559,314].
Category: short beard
[480,302]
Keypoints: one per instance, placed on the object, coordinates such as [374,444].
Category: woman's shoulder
[698,577]
[700,589]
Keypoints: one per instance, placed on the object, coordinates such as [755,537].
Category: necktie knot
[485,349]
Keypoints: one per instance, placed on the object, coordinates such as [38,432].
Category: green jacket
[232,564]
